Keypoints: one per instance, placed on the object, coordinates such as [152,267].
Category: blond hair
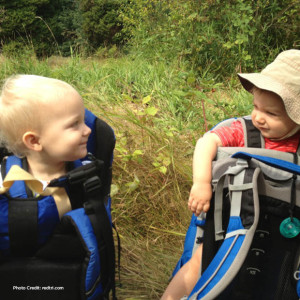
[23,103]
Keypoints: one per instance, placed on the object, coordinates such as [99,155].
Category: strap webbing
[22,226]
[252,135]
[96,211]
[236,170]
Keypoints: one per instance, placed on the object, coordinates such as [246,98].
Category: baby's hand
[200,196]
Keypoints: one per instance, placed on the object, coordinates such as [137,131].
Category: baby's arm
[201,191]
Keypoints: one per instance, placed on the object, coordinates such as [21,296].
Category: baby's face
[64,134]
[269,115]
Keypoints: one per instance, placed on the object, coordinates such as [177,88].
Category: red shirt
[233,136]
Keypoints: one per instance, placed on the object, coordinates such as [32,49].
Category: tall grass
[157,112]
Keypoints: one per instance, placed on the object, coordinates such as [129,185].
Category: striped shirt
[233,136]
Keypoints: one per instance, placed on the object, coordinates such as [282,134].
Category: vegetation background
[161,73]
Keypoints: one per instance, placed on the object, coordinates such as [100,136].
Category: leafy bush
[214,36]
[46,26]
[101,23]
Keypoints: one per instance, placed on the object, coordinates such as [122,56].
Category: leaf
[152,111]
[163,169]
[156,164]
[114,189]
[191,80]
[146,99]
[138,152]
[127,98]
[132,186]
[166,161]
[192,16]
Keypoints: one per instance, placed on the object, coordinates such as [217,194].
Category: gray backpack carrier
[250,235]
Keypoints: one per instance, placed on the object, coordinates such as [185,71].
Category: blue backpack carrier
[47,256]
[250,235]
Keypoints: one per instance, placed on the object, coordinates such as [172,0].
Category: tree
[47,26]
[101,22]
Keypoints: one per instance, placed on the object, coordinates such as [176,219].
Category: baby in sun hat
[281,77]
[276,114]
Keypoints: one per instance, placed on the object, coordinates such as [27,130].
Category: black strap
[105,143]
[293,189]
[4,152]
[23,226]
[26,168]
[96,211]
[73,180]
[119,253]
[252,134]
[22,220]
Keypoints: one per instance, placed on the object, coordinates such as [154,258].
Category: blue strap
[189,243]
[221,262]
[273,162]
[298,284]
[93,286]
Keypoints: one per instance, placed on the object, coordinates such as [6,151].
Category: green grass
[157,112]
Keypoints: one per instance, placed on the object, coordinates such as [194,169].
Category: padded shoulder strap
[90,121]
[20,213]
[102,140]
[18,189]
[252,136]
[101,144]
[97,213]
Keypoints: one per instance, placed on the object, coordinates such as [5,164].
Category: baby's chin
[266,134]
[81,155]
[273,138]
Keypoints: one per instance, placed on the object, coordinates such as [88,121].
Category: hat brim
[261,81]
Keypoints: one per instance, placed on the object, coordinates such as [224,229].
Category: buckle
[84,172]
[58,182]
[92,185]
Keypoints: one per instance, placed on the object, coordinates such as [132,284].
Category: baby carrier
[250,235]
[48,254]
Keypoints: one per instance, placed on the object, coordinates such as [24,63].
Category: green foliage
[63,21]
[101,23]
[46,26]
[213,36]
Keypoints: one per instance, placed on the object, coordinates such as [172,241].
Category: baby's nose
[259,117]
[87,130]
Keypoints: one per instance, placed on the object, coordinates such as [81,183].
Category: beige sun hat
[282,77]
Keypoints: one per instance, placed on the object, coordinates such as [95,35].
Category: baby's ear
[32,141]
